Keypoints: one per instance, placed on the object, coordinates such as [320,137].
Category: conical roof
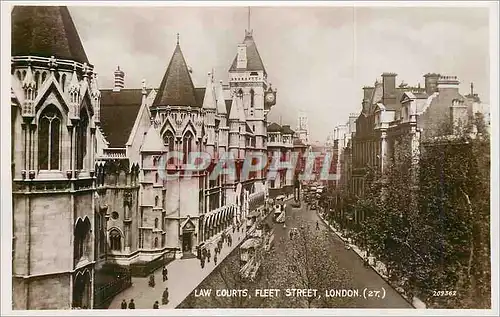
[254,62]
[221,102]
[176,88]
[209,101]
[152,141]
[45,31]
[235,112]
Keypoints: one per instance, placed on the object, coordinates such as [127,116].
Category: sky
[318,58]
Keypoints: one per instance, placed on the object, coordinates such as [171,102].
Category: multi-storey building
[89,166]
[55,118]
[302,130]
[394,119]
[280,148]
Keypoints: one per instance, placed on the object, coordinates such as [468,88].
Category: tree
[309,266]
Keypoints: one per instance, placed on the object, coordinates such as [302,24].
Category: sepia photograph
[222,155]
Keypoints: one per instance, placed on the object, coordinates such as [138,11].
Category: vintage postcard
[205,156]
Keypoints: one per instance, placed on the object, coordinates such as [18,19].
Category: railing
[143,269]
[115,152]
[104,294]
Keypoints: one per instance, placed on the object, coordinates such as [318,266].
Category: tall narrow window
[81,140]
[115,240]
[156,243]
[156,201]
[187,145]
[49,133]
[169,140]
[252,98]
[156,223]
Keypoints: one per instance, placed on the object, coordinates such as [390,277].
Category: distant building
[302,130]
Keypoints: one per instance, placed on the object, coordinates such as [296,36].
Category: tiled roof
[254,62]
[176,88]
[200,95]
[45,31]
[119,110]
[221,103]
[286,130]
[274,127]
[229,102]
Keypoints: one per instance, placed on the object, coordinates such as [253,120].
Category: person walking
[131,305]
[124,304]
[156,305]
[164,298]
[208,256]
[215,258]
[317,225]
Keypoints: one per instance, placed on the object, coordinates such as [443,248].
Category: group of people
[206,254]
[130,305]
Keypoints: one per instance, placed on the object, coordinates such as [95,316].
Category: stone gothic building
[87,167]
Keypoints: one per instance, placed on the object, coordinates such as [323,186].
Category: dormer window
[254,74]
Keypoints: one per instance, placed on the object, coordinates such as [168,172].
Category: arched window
[44,76]
[187,145]
[169,140]
[156,201]
[156,243]
[156,223]
[82,236]
[49,135]
[81,139]
[252,98]
[63,82]
[157,179]
[115,240]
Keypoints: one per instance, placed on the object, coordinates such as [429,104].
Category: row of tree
[429,222]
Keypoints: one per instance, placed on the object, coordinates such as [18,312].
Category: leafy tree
[309,267]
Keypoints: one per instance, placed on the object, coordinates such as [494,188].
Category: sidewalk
[184,275]
[377,266]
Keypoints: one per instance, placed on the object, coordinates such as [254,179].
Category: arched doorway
[81,290]
[188,236]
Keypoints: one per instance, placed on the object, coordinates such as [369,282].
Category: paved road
[359,275]
[345,270]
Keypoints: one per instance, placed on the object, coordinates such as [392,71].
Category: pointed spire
[176,88]
[74,85]
[234,114]
[157,121]
[94,86]
[209,101]
[221,102]
[241,111]
[472,89]
[29,81]
[177,38]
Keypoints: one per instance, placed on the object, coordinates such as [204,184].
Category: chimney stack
[119,79]
[389,88]
[431,83]
[448,82]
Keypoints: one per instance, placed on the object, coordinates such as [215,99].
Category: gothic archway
[82,290]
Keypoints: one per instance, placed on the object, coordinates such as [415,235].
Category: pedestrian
[156,305]
[152,280]
[164,297]
[124,304]
[215,259]
[208,256]
[202,262]
[131,305]
[164,273]
[317,225]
